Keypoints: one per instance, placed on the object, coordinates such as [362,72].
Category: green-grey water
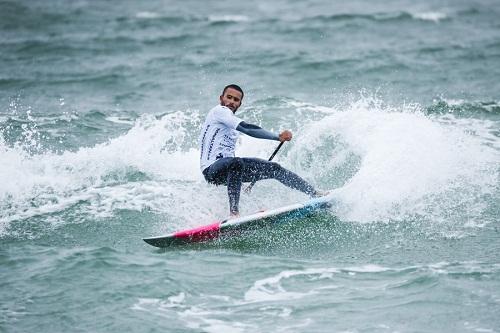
[394,104]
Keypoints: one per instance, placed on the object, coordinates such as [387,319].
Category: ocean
[394,104]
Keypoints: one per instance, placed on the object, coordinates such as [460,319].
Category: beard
[232,107]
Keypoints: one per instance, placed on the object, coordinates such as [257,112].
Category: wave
[45,182]
[312,279]
[228,18]
[388,163]
[464,108]
[284,298]
[403,163]
[432,16]
[150,18]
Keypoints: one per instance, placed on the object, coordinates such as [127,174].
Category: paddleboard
[235,226]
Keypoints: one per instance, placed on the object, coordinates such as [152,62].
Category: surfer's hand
[285,136]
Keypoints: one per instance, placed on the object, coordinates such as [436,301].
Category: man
[217,144]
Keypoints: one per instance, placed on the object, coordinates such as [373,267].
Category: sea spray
[387,162]
[407,163]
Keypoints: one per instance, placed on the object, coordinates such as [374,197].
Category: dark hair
[235,87]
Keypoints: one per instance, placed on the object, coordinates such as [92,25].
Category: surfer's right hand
[285,136]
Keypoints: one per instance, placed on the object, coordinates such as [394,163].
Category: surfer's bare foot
[234,215]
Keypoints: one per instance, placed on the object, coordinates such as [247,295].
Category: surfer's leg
[256,169]
[234,179]
[217,172]
[227,171]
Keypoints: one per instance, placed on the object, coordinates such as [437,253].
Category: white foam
[228,18]
[147,15]
[175,301]
[369,268]
[430,16]
[270,289]
[119,120]
[45,183]
[409,164]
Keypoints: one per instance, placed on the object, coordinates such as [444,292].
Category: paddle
[249,187]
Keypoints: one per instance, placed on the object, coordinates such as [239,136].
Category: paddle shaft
[249,188]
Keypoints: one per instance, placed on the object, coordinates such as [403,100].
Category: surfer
[217,145]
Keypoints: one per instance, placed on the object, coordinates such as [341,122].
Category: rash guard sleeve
[256,131]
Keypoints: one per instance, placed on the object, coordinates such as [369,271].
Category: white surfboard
[230,227]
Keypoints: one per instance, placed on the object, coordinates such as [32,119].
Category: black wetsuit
[232,171]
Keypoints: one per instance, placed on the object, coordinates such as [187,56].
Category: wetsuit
[219,166]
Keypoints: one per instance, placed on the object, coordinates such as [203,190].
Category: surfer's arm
[256,131]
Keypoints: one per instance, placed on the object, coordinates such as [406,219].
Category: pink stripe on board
[202,233]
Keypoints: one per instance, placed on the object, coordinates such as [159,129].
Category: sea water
[394,104]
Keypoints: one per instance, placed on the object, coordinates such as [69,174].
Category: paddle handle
[275,152]
[249,188]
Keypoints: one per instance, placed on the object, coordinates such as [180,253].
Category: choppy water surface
[396,105]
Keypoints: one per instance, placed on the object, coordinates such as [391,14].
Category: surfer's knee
[236,164]
[275,167]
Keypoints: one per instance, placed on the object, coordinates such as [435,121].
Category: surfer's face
[231,98]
